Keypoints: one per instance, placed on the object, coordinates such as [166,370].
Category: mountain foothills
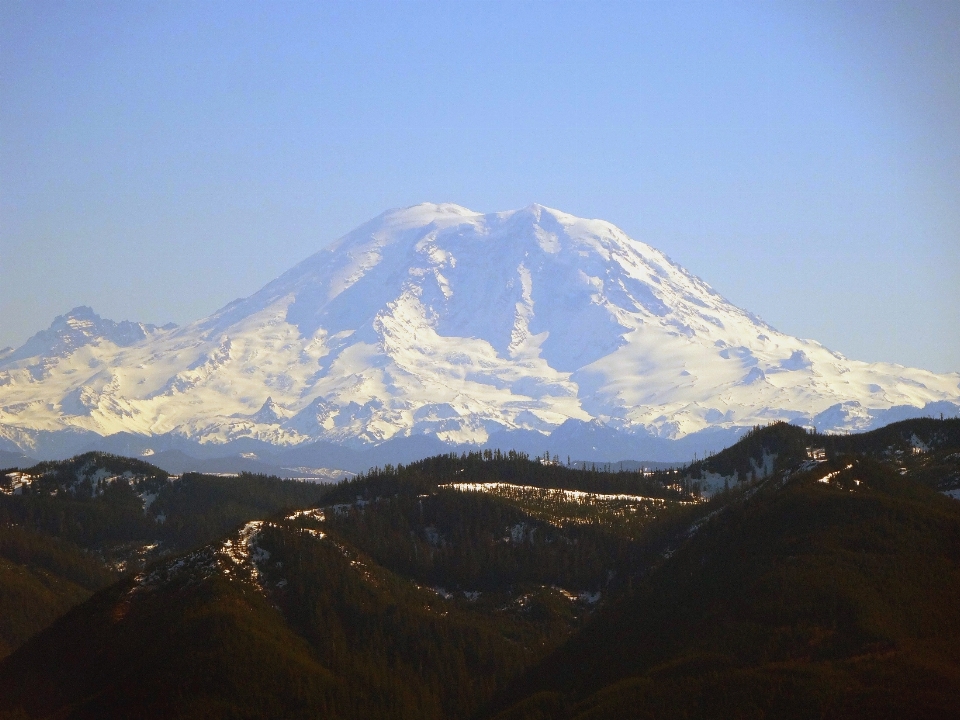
[434,327]
[794,574]
[69,528]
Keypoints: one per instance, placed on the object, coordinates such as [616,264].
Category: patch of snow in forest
[830,476]
[576,496]
[312,514]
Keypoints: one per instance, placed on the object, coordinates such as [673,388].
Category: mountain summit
[81,326]
[435,320]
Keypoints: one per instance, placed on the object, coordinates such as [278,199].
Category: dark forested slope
[72,527]
[493,585]
[834,595]
[283,619]
[401,596]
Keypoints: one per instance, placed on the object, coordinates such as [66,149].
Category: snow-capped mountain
[81,326]
[439,321]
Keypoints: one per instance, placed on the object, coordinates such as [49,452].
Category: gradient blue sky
[158,160]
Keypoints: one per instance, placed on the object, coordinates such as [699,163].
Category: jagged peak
[79,327]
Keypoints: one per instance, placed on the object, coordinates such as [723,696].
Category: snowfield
[437,320]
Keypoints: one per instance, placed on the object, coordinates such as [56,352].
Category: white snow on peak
[435,319]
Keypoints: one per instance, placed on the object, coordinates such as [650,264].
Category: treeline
[512,467]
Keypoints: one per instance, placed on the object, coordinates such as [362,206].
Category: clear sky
[158,160]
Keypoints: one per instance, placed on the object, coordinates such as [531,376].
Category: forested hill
[72,527]
[821,581]
[924,446]
[494,466]
[833,595]
[402,595]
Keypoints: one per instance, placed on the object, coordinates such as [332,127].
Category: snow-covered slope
[436,320]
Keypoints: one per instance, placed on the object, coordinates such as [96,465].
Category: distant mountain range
[436,327]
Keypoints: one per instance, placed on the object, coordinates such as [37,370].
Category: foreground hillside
[822,579]
[68,529]
[835,595]
[404,595]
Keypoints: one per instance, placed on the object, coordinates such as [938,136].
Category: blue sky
[158,160]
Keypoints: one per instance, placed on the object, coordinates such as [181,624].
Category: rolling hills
[822,580]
